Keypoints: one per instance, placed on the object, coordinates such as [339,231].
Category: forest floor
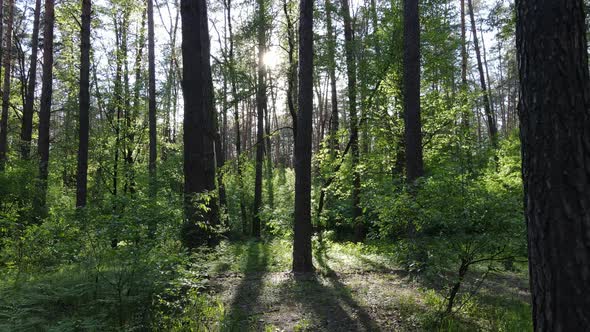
[355,288]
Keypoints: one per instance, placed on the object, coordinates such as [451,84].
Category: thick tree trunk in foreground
[45,109]
[27,120]
[302,261]
[555,133]
[82,176]
[413,127]
[6,87]
[199,126]
[152,98]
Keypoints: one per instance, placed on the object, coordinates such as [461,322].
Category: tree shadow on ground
[327,303]
[245,302]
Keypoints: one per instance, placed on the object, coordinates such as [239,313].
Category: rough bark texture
[359,229]
[199,126]
[27,119]
[84,97]
[413,126]
[152,98]
[555,120]
[45,108]
[6,87]
[260,107]
[302,261]
[492,126]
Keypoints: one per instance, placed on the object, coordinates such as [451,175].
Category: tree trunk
[234,92]
[152,98]
[334,118]
[260,107]
[359,229]
[413,126]
[6,87]
[27,120]
[82,176]
[292,73]
[45,109]
[489,112]
[555,120]
[302,261]
[199,126]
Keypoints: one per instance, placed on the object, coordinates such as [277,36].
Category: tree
[411,91]
[554,117]
[334,118]
[27,119]
[302,261]
[359,233]
[199,126]
[489,112]
[6,87]
[84,100]
[261,105]
[45,109]
[152,97]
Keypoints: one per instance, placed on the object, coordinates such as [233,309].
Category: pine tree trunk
[413,126]
[6,87]
[82,176]
[359,229]
[555,120]
[152,99]
[334,118]
[302,261]
[489,112]
[199,126]
[45,109]
[27,119]
[260,107]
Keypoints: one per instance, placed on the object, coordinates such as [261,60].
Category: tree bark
[199,126]
[411,77]
[27,120]
[6,87]
[302,261]
[152,99]
[359,229]
[260,107]
[334,118]
[84,98]
[554,115]
[45,109]
[489,112]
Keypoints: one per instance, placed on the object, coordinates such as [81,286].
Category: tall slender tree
[27,118]
[199,125]
[84,100]
[359,233]
[489,112]
[302,261]
[45,107]
[554,115]
[152,97]
[261,105]
[6,87]
[411,88]
[334,116]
